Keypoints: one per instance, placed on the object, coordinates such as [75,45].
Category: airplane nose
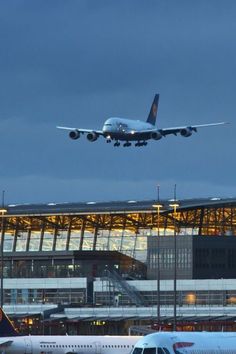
[105,128]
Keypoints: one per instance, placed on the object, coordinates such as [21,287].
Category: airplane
[128,130]
[11,342]
[186,342]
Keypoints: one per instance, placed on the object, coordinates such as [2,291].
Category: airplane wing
[174,130]
[82,131]
[187,130]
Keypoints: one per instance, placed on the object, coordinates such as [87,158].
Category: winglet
[153,111]
[6,327]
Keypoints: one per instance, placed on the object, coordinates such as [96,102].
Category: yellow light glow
[232,300]
[174,205]
[190,298]
[158,206]
[99,323]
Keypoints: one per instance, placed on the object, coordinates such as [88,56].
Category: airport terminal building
[97,267]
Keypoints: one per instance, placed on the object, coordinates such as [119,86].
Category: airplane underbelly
[130,137]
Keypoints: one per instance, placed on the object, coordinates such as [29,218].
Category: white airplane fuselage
[123,129]
[68,344]
[187,342]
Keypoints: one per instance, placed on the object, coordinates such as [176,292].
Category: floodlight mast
[158,206]
[3,211]
[175,205]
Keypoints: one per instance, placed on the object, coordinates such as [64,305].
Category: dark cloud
[77,63]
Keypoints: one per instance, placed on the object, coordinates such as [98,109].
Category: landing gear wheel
[127,144]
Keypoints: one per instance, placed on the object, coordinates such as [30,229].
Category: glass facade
[184,298]
[127,233]
[45,296]
[131,233]
[59,264]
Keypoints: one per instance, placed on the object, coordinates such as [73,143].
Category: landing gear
[127,144]
[141,143]
[108,141]
[117,143]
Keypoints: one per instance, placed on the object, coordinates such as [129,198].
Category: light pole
[158,206]
[175,205]
[2,211]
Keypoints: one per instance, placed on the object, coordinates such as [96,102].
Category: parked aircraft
[11,342]
[123,129]
[187,342]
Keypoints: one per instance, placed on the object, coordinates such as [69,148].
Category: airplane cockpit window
[149,351]
[137,350]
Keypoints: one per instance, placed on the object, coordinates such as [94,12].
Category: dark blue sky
[76,63]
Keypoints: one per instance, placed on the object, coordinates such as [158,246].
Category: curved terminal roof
[130,206]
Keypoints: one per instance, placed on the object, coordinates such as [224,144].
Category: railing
[122,286]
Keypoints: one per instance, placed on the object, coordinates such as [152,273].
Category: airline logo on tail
[154,110]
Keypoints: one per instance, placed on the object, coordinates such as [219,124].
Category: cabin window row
[82,346]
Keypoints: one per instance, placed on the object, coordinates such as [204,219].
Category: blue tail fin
[6,327]
[153,111]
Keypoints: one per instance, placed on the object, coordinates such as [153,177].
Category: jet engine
[156,135]
[74,134]
[186,132]
[92,136]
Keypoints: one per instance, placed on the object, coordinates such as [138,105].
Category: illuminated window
[47,241]
[8,242]
[34,241]
[190,298]
[75,240]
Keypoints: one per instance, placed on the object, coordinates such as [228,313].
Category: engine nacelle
[74,134]
[92,136]
[186,132]
[156,135]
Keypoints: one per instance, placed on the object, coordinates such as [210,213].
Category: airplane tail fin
[153,111]
[6,327]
